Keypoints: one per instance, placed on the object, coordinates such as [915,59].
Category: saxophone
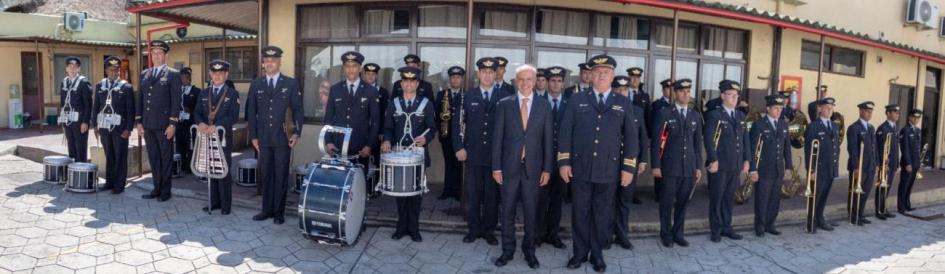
[446,114]
[789,191]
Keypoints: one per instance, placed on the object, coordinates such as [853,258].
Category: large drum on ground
[332,204]
[55,169]
[178,168]
[301,171]
[402,173]
[247,173]
[82,178]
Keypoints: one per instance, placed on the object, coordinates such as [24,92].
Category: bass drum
[332,206]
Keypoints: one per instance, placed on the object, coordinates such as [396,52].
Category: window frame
[828,59]
[242,49]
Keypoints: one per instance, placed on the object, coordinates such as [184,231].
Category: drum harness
[408,126]
[109,119]
[69,115]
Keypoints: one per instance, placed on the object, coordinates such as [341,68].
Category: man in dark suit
[157,118]
[75,101]
[521,160]
[114,96]
[552,194]
[354,104]
[452,97]
[827,133]
[425,89]
[369,75]
[678,161]
[627,195]
[500,83]
[598,139]
[769,166]
[188,102]
[861,166]
[666,100]
[888,130]
[910,143]
[812,108]
[472,136]
[584,81]
[727,155]
[219,106]
[270,97]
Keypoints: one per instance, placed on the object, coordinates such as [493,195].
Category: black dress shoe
[503,260]
[774,231]
[636,201]
[148,196]
[396,236]
[667,243]
[163,199]
[910,208]
[599,265]
[825,227]
[117,191]
[532,261]
[732,235]
[716,238]
[681,242]
[557,243]
[104,188]
[865,221]
[261,217]
[833,224]
[880,216]
[574,263]
[225,212]
[760,234]
[625,244]
[207,209]
[491,240]
[469,238]
[416,238]
[278,220]
[607,246]
[890,215]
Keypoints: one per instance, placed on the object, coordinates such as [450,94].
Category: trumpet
[446,114]
[718,134]
[856,191]
[788,191]
[922,156]
[810,192]
[744,191]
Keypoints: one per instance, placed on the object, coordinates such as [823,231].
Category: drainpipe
[775,77]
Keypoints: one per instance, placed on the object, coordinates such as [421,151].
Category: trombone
[810,192]
[744,191]
[922,156]
[856,191]
[882,184]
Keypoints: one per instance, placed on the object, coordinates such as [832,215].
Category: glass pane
[625,62]
[516,58]
[713,41]
[712,74]
[503,23]
[442,21]
[558,26]
[684,69]
[846,61]
[810,54]
[931,78]
[329,22]
[734,73]
[439,58]
[735,44]
[386,22]
[322,70]
[686,38]
[390,58]
[622,32]
[565,59]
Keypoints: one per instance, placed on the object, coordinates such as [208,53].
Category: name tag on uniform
[337,99]
[693,123]
[617,108]
[767,131]
[474,104]
[362,98]
[821,133]
[259,91]
[284,90]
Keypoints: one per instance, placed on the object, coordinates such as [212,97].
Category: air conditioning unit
[74,21]
[923,13]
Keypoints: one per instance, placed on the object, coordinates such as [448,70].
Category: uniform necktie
[272,83]
[600,100]
[216,91]
[554,104]
[731,114]
[683,111]
[486,95]
[351,89]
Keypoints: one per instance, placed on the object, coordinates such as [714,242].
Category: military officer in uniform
[597,147]
[157,119]
[827,132]
[641,99]
[115,96]
[75,101]
[677,159]
[727,155]
[500,83]
[354,104]
[551,195]
[451,97]
[788,113]
[541,83]
[888,129]
[813,107]
[666,100]
[768,167]
[269,97]
[414,112]
[369,75]
[425,89]
[219,106]
[910,144]
[627,195]
[472,138]
[188,103]
[585,81]
[862,133]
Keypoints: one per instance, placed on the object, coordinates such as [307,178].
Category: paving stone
[173,266]
[133,257]
[17,262]
[76,260]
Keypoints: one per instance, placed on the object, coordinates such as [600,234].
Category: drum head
[354,215]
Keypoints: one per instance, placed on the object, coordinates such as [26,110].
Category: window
[567,59]
[836,59]
[60,71]
[326,22]
[720,42]
[442,21]
[509,24]
[385,22]
[622,32]
[243,62]
[321,68]
[685,38]
[557,26]
[516,56]
[437,59]
[389,57]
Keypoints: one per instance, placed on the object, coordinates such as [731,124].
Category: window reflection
[661,70]
[565,59]
[437,59]
[390,58]
[442,21]
[322,70]
[516,58]
[386,22]
[621,32]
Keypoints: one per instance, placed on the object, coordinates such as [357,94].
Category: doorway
[32,86]
[902,96]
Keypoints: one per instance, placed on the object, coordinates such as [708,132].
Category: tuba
[446,114]
[837,118]
[796,128]
[208,160]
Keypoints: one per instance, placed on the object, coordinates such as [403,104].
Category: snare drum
[300,172]
[55,169]
[178,168]
[402,173]
[332,203]
[82,178]
[247,173]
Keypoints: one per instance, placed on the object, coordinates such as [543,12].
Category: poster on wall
[794,84]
